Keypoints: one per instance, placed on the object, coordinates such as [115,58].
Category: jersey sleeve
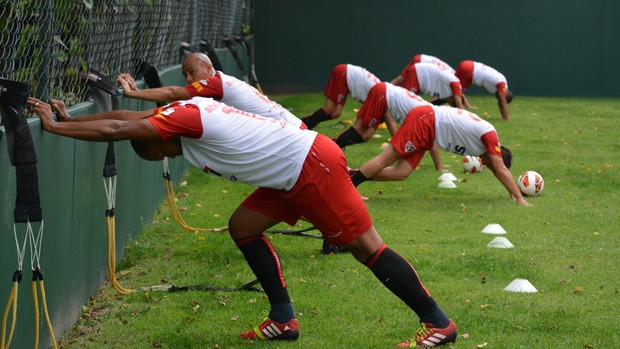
[455,86]
[211,87]
[491,143]
[177,120]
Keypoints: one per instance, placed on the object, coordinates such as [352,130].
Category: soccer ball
[472,164]
[531,183]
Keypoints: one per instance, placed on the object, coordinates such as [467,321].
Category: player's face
[196,70]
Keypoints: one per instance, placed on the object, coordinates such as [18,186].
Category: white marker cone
[446,184]
[447,177]
[500,242]
[521,285]
[493,228]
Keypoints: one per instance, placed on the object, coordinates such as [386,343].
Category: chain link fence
[51,43]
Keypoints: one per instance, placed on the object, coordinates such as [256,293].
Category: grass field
[567,245]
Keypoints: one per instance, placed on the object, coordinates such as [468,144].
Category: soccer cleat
[428,336]
[271,330]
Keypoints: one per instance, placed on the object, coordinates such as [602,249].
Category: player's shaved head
[197,66]
[198,57]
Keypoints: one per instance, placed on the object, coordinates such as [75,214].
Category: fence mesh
[51,43]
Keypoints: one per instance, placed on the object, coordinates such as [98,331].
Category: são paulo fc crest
[409,147]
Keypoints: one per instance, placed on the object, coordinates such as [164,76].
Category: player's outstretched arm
[502,173]
[158,94]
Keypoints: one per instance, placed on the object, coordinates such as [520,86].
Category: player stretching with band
[297,172]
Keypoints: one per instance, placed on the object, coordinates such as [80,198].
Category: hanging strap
[22,155]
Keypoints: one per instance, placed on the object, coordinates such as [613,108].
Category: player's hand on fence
[42,109]
[127,82]
[61,109]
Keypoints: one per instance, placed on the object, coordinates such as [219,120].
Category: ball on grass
[531,183]
[472,164]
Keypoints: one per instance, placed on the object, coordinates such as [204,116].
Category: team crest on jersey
[198,85]
[409,147]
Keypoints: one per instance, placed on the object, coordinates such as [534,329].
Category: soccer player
[454,130]
[434,80]
[345,79]
[298,173]
[204,81]
[479,74]
[424,58]
[385,103]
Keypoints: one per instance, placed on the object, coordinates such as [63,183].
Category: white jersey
[360,81]
[400,101]
[435,80]
[459,131]
[235,144]
[487,77]
[432,59]
[238,94]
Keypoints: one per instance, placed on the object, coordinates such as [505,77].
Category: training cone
[521,285]
[493,228]
[447,177]
[446,184]
[500,242]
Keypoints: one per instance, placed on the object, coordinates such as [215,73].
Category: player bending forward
[454,130]
[297,172]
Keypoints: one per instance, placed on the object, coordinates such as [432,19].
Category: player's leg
[329,110]
[353,135]
[246,227]
[400,277]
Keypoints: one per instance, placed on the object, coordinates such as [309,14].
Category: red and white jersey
[238,94]
[424,58]
[235,144]
[400,101]
[360,81]
[487,77]
[432,79]
[465,133]
[385,97]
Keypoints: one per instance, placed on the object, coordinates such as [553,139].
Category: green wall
[544,48]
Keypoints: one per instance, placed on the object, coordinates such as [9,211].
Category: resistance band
[104,93]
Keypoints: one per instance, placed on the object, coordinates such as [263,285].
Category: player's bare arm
[103,127]
[157,94]
[502,103]
[502,173]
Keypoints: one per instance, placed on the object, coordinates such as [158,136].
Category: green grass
[567,245]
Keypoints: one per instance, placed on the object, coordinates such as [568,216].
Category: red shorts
[372,112]
[337,88]
[465,73]
[416,135]
[323,194]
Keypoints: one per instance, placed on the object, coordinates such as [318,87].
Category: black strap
[100,81]
[150,75]
[22,154]
[206,47]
